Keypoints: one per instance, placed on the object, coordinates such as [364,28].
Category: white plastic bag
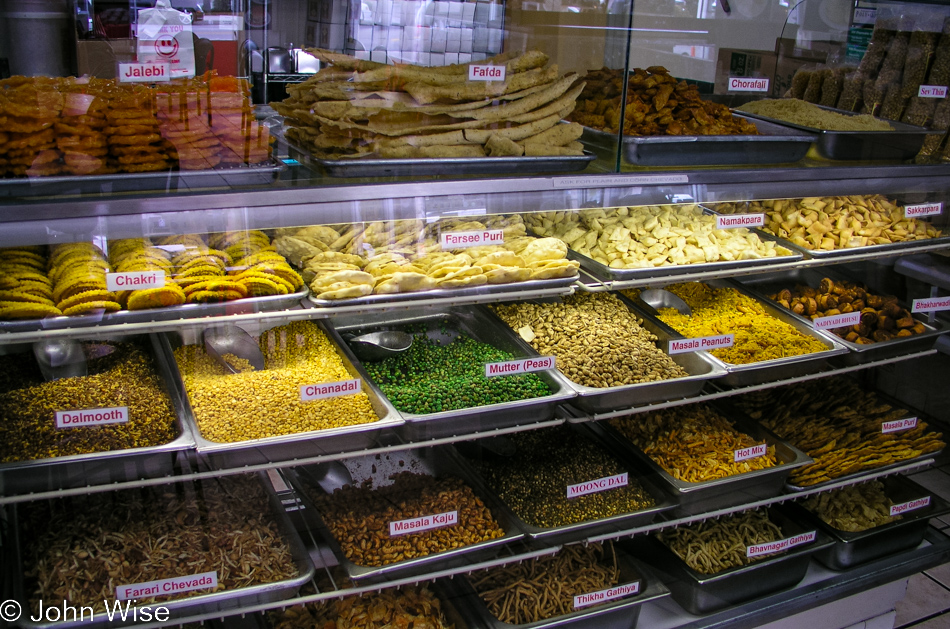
[164,35]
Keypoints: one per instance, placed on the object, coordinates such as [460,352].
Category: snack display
[839,425]
[119,374]
[432,111]
[882,317]
[712,546]
[808,115]
[693,443]
[406,256]
[533,481]
[853,509]
[759,336]
[597,339]
[82,549]
[831,223]
[408,606]
[259,404]
[651,236]
[657,104]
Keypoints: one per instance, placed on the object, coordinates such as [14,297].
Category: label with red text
[703,343]
[752,452]
[310,392]
[930,304]
[898,425]
[463,240]
[92,417]
[747,84]
[904,507]
[135,280]
[148,589]
[837,321]
[523,365]
[486,73]
[733,221]
[779,545]
[157,72]
[585,600]
[932,91]
[923,209]
[425,523]
[595,486]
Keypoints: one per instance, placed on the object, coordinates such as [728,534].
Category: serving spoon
[380,345]
[230,339]
[658,298]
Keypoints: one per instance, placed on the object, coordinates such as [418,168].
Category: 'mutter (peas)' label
[523,365]
[779,545]
[700,344]
[135,280]
[899,424]
[904,507]
[837,321]
[173,585]
[733,221]
[931,304]
[425,523]
[595,486]
[584,600]
[92,417]
[463,240]
[752,452]
[310,392]
[923,209]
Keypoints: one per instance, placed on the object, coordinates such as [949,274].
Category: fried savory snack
[26,292]
[407,606]
[657,104]
[838,424]
[853,509]
[693,443]
[809,115]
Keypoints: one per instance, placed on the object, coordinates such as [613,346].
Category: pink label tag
[486,73]
[732,221]
[930,304]
[464,240]
[310,392]
[92,417]
[157,72]
[524,365]
[932,91]
[747,84]
[904,507]
[135,280]
[585,600]
[923,209]
[173,585]
[752,452]
[703,343]
[595,486]
[779,545]
[837,321]
[425,523]
[898,425]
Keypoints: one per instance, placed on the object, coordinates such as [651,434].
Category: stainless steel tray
[725,492]
[777,145]
[852,549]
[247,305]
[162,181]
[296,445]
[432,462]
[776,368]
[571,532]
[762,285]
[79,470]
[501,291]
[227,601]
[702,593]
[699,365]
[476,323]
[620,614]
[902,143]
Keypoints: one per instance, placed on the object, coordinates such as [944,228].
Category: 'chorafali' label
[747,84]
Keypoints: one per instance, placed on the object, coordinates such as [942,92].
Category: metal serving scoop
[380,345]
[60,358]
[230,339]
[658,298]
[331,475]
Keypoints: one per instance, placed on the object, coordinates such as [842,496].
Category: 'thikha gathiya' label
[425,523]
[173,585]
[486,73]
[92,417]
[310,392]
[923,209]
[157,72]
[703,343]
[904,507]
[135,280]
[932,91]
[585,600]
[898,425]
[779,545]
[930,304]
[752,452]
[732,221]
[747,84]
[524,365]
[595,486]
[463,240]
[837,321]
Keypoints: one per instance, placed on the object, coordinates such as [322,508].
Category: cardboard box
[332,36]
[467,40]
[439,37]
[733,63]
[100,58]
[453,40]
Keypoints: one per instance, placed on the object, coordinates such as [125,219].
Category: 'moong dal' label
[899,424]
[135,280]
[173,585]
[904,507]
[598,485]
[425,523]
[701,344]
[310,392]
[524,365]
[92,417]
[584,600]
[752,452]
[464,240]
[732,221]
[779,545]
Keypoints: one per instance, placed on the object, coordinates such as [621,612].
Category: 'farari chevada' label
[162,587]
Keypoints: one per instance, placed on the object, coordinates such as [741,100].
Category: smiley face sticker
[166,47]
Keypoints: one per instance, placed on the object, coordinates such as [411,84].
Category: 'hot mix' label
[595,486]
[92,417]
[135,280]
[167,586]
[310,392]
[779,545]
[486,73]
[585,600]
[899,424]
[923,209]
[752,452]
[904,507]
[425,523]
[523,365]
[931,304]
[838,321]
[463,240]
[747,84]
[932,91]
[703,343]
[733,221]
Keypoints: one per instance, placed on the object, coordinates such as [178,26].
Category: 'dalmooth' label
[92,417]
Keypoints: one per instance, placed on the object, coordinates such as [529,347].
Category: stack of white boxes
[327,22]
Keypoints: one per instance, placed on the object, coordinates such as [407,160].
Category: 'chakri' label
[904,507]
[92,417]
[310,392]
[173,585]
[135,280]
[701,344]
[779,545]
[585,600]
[464,240]
[524,365]
[425,523]
[595,486]
[733,221]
